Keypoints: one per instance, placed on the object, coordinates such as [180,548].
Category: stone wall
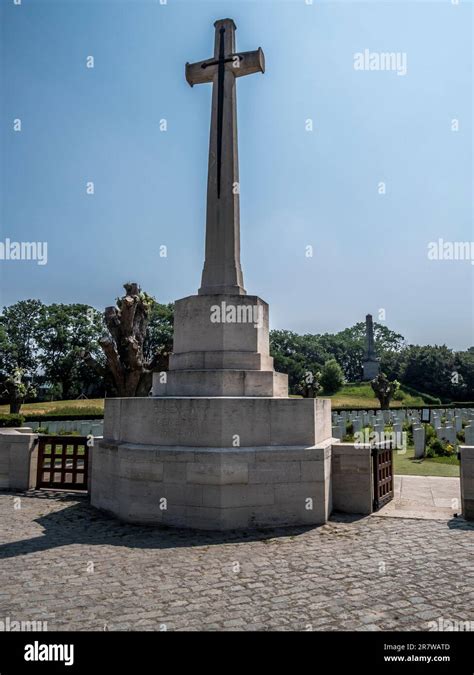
[18,459]
[213,488]
[467,481]
[352,479]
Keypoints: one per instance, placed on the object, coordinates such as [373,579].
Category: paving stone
[63,562]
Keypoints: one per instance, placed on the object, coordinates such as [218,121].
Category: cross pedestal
[220,445]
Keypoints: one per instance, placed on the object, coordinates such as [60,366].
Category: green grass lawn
[93,406]
[407,465]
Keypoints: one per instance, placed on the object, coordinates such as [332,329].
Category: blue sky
[298,188]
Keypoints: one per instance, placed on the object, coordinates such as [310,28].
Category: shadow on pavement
[80,523]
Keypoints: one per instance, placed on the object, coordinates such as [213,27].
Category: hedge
[427,398]
[11,420]
[51,417]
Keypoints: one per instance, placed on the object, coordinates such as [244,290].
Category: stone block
[222,383]
[196,331]
[352,480]
[371,369]
[18,459]
[215,360]
[467,481]
[274,472]
[226,496]
[312,470]
[176,472]
[218,473]
[218,422]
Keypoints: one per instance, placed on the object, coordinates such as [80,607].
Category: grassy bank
[362,396]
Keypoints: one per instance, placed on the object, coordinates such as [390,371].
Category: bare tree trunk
[15,406]
[123,349]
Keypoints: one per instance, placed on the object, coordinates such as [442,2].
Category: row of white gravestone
[82,427]
[446,422]
[448,431]
[457,415]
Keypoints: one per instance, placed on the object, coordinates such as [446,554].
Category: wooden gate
[63,462]
[383,475]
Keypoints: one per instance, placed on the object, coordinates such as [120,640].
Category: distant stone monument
[220,445]
[371,364]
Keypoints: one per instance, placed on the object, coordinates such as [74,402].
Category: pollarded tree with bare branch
[127,324]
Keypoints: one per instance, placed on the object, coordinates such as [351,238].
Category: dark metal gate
[383,475]
[63,462]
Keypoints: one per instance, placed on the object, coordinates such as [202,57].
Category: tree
[309,385]
[19,323]
[64,333]
[430,370]
[132,352]
[18,350]
[18,390]
[332,377]
[300,356]
[348,348]
[462,378]
[158,343]
[384,389]
[393,364]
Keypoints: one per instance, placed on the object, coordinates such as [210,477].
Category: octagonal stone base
[213,488]
[171,461]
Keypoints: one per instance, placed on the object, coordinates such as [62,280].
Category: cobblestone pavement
[63,562]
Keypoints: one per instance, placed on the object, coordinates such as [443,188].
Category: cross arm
[199,73]
[250,62]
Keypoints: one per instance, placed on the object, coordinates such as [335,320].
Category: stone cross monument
[222,271]
[371,364]
[220,445]
[228,354]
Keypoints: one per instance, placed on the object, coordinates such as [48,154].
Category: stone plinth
[222,383]
[221,348]
[228,323]
[173,461]
[218,422]
[371,368]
